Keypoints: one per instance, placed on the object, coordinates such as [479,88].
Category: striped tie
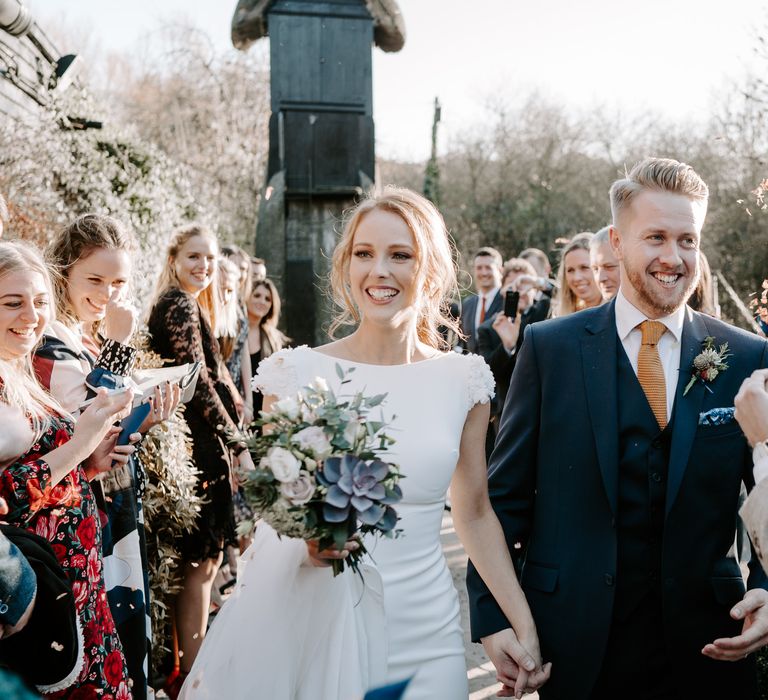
[650,373]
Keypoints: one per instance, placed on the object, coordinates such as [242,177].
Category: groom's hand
[753,609]
[515,667]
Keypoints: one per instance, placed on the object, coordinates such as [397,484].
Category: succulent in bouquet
[320,468]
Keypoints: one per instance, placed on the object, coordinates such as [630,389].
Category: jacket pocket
[729,590]
[540,578]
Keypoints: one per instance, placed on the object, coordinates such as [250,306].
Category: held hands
[752,407]
[508,330]
[120,318]
[753,609]
[518,662]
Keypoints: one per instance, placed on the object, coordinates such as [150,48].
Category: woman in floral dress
[47,488]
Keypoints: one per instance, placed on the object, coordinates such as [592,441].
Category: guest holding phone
[46,488]
[500,337]
[87,347]
[184,312]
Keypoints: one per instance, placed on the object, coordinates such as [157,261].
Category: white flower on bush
[314,440]
[283,464]
[318,384]
[287,406]
[300,490]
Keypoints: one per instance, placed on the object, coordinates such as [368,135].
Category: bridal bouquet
[319,475]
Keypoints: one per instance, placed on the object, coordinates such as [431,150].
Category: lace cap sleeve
[277,375]
[481,384]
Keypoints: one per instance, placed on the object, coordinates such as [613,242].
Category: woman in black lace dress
[180,322]
[264,337]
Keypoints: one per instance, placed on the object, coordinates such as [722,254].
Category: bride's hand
[518,662]
[318,557]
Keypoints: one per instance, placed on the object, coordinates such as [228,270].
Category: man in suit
[486,273]
[617,471]
[499,338]
[605,265]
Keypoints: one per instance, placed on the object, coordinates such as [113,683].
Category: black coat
[553,482]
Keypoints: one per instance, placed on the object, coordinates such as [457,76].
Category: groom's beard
[662,300]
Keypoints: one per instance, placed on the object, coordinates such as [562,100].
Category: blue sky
[672,56]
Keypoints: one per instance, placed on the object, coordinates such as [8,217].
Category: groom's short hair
[661,174]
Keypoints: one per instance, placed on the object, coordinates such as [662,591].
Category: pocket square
[717,416]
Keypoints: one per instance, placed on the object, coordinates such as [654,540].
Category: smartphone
[511,301]
[130,424]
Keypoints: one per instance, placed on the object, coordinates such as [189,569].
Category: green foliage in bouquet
[320,473]
[171,505]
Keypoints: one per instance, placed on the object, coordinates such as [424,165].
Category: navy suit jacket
[468,312]
[553,481]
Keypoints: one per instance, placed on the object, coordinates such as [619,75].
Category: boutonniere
[708,364]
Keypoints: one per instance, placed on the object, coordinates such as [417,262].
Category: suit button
[608,580]
[656,443]
[669,582]
[656,477]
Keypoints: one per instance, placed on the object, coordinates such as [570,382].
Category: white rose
[314,440]
[318,384]
[288,406]
[283,464]
[300,490]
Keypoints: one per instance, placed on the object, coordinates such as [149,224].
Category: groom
[617,484]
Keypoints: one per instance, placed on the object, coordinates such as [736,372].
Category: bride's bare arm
[481,535]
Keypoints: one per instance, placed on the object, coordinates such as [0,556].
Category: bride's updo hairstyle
[436,263]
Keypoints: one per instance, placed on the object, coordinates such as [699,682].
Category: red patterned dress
[66,515]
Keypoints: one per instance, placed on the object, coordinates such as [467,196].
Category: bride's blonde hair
[18,384]
[436,263]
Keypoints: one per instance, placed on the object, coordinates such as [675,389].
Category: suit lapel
[686,408]
[494,306]
[598,359]
[470,305]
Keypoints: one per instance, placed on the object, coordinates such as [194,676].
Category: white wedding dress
[291,631]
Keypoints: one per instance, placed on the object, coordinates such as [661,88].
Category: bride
[291,631]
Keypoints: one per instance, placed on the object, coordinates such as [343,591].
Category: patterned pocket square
[717,416]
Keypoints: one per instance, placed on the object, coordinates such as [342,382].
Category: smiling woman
[88,347]
[47,487]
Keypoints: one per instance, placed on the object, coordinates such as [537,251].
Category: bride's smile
[383,268]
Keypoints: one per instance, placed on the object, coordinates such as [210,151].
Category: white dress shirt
[628,317]
[489,297]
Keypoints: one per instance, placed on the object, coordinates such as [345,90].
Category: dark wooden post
[321,137]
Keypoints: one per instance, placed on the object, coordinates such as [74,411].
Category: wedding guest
[500,337]
[258,270]
[703,297]
[624,522]
[605,264]
[235,354]
[576,288]
[538,258]
[264,337]
[183,313]
[88,346]
[43,644]
[47,488]
[751,411]
[486,274]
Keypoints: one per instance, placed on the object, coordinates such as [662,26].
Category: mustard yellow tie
[650,373]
